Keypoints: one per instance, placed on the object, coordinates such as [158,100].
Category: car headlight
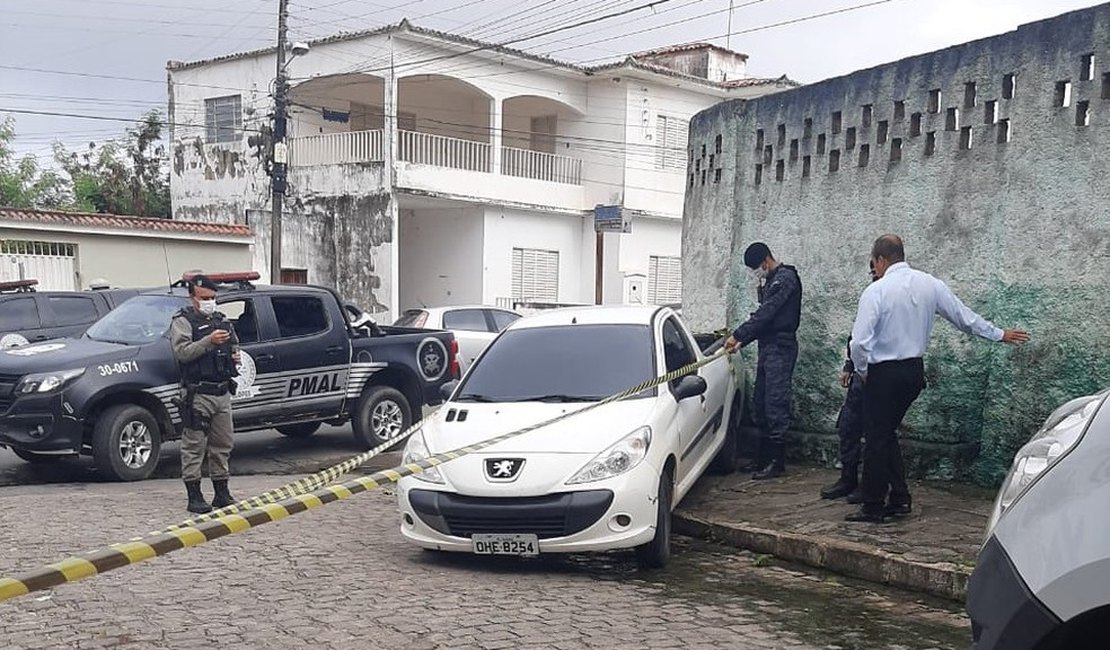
[1059,435]
[416,450]
[616,460]
[47,382]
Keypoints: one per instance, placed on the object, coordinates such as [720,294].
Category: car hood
[61,354]
[589,433]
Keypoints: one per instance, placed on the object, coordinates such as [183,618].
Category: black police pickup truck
[110,394]
[27,315]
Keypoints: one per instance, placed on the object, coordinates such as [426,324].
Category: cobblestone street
[341,577]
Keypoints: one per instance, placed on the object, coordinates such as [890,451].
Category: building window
[223,119]
[670,142]
[535,275]
[664,280]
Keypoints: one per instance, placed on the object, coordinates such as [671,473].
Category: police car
[27,315]
[111,394]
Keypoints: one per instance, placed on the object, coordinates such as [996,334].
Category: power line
[106,118]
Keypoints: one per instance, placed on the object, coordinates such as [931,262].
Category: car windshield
[572,363]
[138,321]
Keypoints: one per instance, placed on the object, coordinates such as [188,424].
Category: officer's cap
[203,282]
[755,254]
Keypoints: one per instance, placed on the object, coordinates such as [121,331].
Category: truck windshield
[573,363]
[138,321]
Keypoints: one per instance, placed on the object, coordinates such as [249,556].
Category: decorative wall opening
[899,109]
[930,143]
[834,160]
[864,155]
[990,112]
[934,101]
[896,150]
[952,120]
[970,93]
[1009,86]
[1087,67]
[915,125]
[883,132]
[867,115]
[837,121]
[1062,98]
[1083,113]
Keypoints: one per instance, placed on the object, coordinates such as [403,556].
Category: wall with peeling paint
[1015,220]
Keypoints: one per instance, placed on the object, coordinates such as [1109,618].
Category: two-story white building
[430,169]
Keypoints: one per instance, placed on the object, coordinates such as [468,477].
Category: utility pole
[280,156]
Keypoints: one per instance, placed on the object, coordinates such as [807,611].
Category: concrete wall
[137,259]
[1018,228]
[506,229]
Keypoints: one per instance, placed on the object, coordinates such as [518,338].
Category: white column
[495,125]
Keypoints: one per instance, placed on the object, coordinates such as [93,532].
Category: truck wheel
[126,443]
[728,458]
[37,459]
[380,414]
[301,430]
[656,553]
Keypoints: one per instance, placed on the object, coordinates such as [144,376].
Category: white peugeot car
[606,479]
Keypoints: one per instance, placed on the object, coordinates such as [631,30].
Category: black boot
[759,460]
[777,465]
[223,497]
[842,488]
[197,504]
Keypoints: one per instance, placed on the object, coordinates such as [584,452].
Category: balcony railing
[434,150]
[337,148]
[541,166]
[442,151]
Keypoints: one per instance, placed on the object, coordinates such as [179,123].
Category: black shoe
[754,465]
[772,470]
[866,516]
[197,504]
[856,497]
[897,510]
[223,497]
[840,489]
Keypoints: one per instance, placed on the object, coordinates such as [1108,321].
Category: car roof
[229,290]
[439,310]
[596,315]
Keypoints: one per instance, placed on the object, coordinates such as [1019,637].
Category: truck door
[257,400]
[314,354]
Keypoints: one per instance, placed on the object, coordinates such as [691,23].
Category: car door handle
[335,349]
[265,357]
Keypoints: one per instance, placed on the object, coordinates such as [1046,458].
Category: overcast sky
[133,39]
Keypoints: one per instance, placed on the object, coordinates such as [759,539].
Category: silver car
[1042,581]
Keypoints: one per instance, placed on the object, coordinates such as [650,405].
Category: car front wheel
[656,553]
[126,442]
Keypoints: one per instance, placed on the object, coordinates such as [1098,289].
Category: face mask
[206,307]
[758,274]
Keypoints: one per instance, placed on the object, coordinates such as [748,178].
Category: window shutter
[664,280]
[671,137]
[535,275]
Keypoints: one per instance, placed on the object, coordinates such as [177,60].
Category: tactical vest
[216,366]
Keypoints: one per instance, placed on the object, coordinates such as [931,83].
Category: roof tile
[91,220]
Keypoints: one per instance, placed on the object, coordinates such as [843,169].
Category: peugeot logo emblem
[503,469]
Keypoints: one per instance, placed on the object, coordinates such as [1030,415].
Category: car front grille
[548,516]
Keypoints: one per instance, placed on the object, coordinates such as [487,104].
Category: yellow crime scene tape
[210,527]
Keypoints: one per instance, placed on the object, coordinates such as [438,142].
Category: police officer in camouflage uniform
[774,325]
[207,351]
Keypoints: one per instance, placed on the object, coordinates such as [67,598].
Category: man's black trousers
[890,389]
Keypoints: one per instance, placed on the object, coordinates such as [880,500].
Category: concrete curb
[847,558]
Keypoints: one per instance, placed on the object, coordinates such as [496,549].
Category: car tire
[299,430]
[656,553]
[37,459]
[380,414]
[126,443]
[727,459]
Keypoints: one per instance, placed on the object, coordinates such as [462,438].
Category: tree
[23,183]
[128,176]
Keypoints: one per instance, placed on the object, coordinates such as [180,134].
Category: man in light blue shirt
[889,339]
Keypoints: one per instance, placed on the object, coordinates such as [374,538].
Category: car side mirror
[689,386]
[447,389]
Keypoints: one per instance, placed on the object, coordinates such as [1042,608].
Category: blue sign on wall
[611,218]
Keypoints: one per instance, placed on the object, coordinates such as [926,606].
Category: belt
[209,387]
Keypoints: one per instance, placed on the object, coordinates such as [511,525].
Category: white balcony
[541,166]
[433,150]
[442,151]
[337,148]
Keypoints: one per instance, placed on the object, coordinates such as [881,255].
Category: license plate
[505,544]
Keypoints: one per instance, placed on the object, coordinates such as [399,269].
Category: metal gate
[53,264]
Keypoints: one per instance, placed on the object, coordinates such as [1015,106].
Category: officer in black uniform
[207,351]
[774,325]
[849,430]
